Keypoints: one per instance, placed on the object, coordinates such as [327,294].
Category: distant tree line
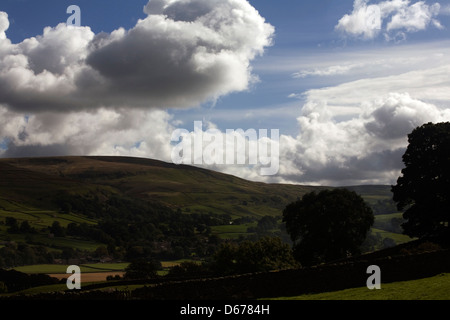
[14,227]
[266,254]
[17,254]
[230,258]
[266,224]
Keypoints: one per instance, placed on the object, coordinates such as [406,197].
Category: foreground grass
[434,288]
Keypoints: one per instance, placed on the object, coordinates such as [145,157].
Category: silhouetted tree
[68,253]
[328,225]
[12,224]
[142,269]
[26,228]
[188,269]
[423,190]
[57,230]
[267,223]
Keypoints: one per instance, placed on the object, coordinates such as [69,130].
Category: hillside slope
[129,204]
[187,188]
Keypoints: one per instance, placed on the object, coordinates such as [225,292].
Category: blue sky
[343,92]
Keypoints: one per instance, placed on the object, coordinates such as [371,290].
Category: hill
[35,181]
[62,208]
[187,188]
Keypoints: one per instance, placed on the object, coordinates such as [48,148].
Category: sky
[342,82]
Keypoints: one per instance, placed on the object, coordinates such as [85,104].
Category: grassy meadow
[40,220]
[85,268]
[433,288]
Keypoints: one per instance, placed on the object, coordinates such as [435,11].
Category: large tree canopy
[327,225]
[423,190]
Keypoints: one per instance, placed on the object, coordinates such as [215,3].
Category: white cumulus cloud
[368,20]
[365,148]
[184,53]
[71,91]
[4,24]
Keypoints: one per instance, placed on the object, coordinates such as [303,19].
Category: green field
[85,268]
[88,267]
[433,288]
[232,231]
[40,220]
[399,238]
